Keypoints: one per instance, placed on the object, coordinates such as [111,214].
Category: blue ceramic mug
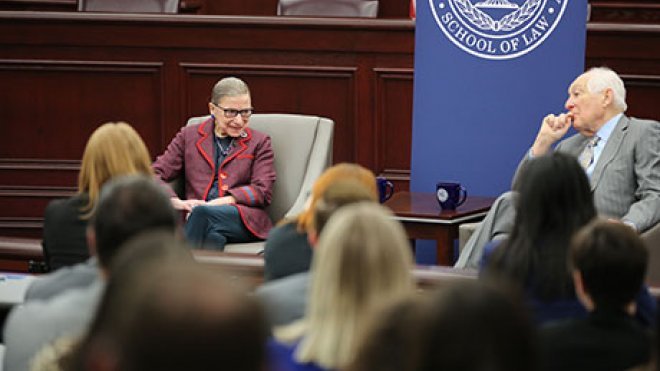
[385,189]
[450,195]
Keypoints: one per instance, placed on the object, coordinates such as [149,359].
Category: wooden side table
[423,218]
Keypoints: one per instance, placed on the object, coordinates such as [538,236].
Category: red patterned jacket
[247,173]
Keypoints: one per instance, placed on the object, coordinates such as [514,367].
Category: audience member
[469,326]
[151,248]
[363,260]
[285,299]
[113,149]
[554,202]
[620,155]
[126,207]
[171,314]
[228,170]
[287,250]
[609,262]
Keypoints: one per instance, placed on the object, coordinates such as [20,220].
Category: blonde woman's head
[114,149]
[339,172]
[363,260]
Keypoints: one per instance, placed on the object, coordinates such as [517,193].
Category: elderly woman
[287,250]
[228,169]
[113,149]
[363,261]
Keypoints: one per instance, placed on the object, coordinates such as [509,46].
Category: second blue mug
[385,189]
[450,195]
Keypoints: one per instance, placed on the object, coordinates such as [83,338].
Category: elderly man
[620,154]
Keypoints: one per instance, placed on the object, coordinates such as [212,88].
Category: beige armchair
[652,240]
[303,150]
[129,6]
[329,8]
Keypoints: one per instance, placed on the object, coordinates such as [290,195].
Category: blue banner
[486,73]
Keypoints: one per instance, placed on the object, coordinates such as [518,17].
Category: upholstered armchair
[303,150]
[129,6]
[329,8]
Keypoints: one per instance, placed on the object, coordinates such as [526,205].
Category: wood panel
[54,105]
[393,131]
[622,11]
[632,51]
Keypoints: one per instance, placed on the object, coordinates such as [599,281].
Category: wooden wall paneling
[49,109]
[240,7]
[632,51]
[394,8]
[326,91]
[625,11]
[53,106]
[643,95]
[393,117]
[40,5]
[20,173]
[26,186]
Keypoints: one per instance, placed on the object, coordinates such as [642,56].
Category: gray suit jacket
[626,179]
[65,278]
[33,325]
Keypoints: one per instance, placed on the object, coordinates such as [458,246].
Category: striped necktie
[587,156]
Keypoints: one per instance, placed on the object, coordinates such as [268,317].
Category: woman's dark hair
[555,200]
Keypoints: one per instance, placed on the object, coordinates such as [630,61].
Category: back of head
[362,260]
[611,259]
[489,328]
[467,326]
[339,172]
[602,78]
[555,197]
[114,149]
[128,206]
[555,200]
[162,311]
[202,320]
[337,195]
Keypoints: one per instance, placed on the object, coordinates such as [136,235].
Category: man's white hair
[601,78]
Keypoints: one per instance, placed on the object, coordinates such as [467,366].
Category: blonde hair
[113,149]
[342,171]
[363,260]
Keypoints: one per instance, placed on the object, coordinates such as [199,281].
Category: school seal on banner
[497,29]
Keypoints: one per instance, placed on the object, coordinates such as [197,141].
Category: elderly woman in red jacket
[228,169]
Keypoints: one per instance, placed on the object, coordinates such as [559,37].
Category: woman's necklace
[224,151]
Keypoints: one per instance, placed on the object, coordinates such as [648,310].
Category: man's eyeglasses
[230,113]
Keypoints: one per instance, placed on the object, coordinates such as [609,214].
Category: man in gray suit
[621,156]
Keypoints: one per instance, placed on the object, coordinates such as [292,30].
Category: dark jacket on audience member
[560,309]
[606,340]
[64,241]
[286,252]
